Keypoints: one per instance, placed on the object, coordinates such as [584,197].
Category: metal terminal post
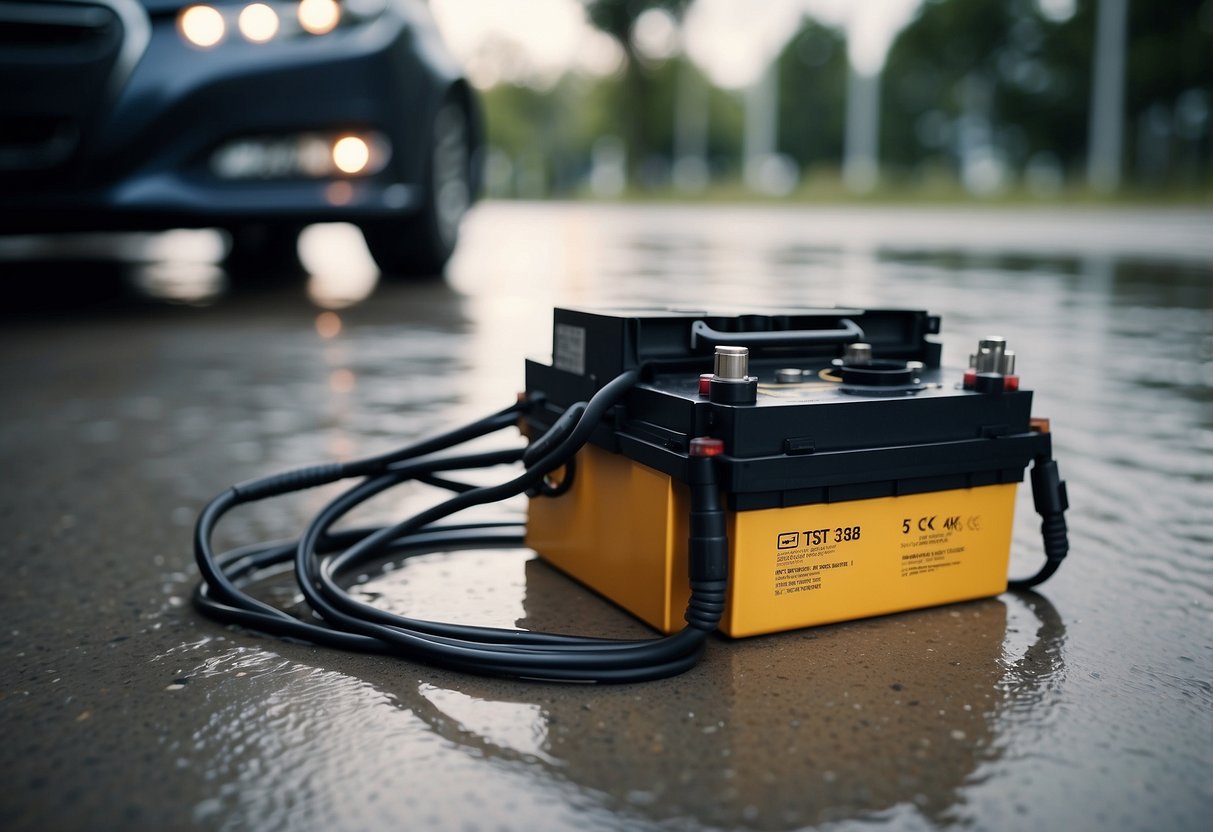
[731,382]
[857,355]
[989,354]
[732,362]
[992,367]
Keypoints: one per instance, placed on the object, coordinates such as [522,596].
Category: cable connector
[1048,488]
[1049,497]
[1051,501]
[708,545]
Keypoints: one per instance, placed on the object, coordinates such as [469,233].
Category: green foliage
[812,73]
[550,132]
[1025,77]
[557,128]
[642,90]
[1030,78]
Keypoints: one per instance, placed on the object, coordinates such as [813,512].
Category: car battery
[859,476]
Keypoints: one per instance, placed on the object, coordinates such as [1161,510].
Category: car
[257,118]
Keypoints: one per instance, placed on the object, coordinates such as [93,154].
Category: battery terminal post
[731,382]
[992,368]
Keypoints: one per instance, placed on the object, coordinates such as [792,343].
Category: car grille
[56,59]
[56,26]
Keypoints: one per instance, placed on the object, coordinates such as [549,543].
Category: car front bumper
[144,139]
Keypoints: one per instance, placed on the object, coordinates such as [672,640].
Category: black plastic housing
[814,442]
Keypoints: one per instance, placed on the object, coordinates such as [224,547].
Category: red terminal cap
[706,446]
[970,380]
[705,383]
[1012,383]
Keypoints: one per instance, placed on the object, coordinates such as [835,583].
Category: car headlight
[206,26]
[202,26]
[258,22]
[343,154]
[319,17]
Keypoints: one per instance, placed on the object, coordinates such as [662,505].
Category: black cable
[322,557]
[220,597]
[1049,497]
[310,477]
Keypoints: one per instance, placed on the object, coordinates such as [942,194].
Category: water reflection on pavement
[142,379]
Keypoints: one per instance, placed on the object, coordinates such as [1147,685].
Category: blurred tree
[618,18]
[989,93]
[1044,77]
[546,137]
[942,77]
[1169,92]
[812,83]
[724,128]
[978,88]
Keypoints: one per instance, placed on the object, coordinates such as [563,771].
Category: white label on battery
[569,353]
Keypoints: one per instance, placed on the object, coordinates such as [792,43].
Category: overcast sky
[731,40]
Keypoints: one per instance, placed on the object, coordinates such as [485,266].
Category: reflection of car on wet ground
[254,117]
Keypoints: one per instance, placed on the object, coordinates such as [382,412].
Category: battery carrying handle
[705,338]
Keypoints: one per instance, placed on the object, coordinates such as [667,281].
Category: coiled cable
[322,556]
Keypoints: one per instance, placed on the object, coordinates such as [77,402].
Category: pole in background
[1106,126]
[861,143]
[691,172]
[761,126]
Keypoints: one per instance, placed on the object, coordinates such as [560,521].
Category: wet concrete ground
[138,384]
